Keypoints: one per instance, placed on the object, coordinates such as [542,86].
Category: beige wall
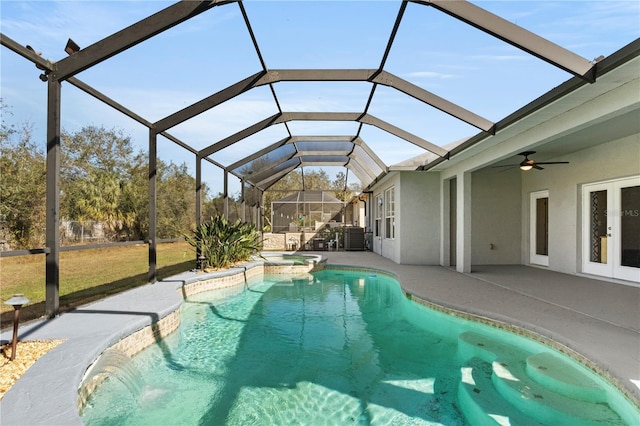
[500,202]
[419,218]
[616,159]
[496,217]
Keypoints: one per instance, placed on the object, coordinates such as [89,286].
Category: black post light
[201,262]
[16,301]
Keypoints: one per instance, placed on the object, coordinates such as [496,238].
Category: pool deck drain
[598,319]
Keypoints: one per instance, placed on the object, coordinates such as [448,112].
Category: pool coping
[29,402]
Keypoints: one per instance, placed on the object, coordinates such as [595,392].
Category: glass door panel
[542,226]
[611,229]
[630,226]
[597,201]
[598,226]
[539,228]
[627,223]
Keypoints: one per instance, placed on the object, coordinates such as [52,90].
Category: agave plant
[223,243]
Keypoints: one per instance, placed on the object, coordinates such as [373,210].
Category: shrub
[223,243]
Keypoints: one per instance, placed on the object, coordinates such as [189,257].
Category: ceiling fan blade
[535,166]
[506,165]
[552,162]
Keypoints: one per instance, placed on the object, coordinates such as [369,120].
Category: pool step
[533,399]
[552,372]
[555,393]
[481,403]
[546,368]
[472,344]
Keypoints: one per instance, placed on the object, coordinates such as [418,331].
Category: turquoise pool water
[340,347]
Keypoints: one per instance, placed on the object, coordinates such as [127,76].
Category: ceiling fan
[528,164]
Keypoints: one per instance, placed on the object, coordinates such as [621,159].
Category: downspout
[367,215]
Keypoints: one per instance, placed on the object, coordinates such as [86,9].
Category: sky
[214,50]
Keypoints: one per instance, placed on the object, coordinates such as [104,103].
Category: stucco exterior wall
[496,217]
[616,159]
[419,218]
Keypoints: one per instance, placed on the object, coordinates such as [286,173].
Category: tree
[176,200]
[338,186]
[134,200]
[355,188]
[316,180]
[102,180]
[341,190]
[96,167]
[23,185]
[213,206]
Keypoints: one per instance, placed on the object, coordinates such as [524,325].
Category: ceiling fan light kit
[527,164]
[526,167]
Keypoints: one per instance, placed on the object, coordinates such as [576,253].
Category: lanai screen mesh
[306,210]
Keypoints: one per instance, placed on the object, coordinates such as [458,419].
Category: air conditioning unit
[353,238]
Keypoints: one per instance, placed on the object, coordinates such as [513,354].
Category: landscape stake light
[16,301]
[200,263]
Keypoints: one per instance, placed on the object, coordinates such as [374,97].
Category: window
[539,228]
[389,213]
[542,226]
[378,208]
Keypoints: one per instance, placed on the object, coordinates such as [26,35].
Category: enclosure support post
[225,199]
[261,211]
[52,257]
[198,201]
[256,206]
[198,190]
[153,145]
[463,222]
[445,223]
[243,204]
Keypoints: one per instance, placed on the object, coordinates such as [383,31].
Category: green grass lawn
[86,275]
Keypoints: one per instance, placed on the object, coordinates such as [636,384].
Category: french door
[611,229]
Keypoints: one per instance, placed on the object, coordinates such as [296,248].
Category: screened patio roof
[260,88]
[370,138]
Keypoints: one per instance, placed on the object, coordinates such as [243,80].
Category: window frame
[378,215]
[390,213]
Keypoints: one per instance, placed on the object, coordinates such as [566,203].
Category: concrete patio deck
[598,319]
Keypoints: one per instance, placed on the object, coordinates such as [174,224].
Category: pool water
[333,348]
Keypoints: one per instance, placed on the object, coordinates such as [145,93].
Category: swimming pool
[342,347]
